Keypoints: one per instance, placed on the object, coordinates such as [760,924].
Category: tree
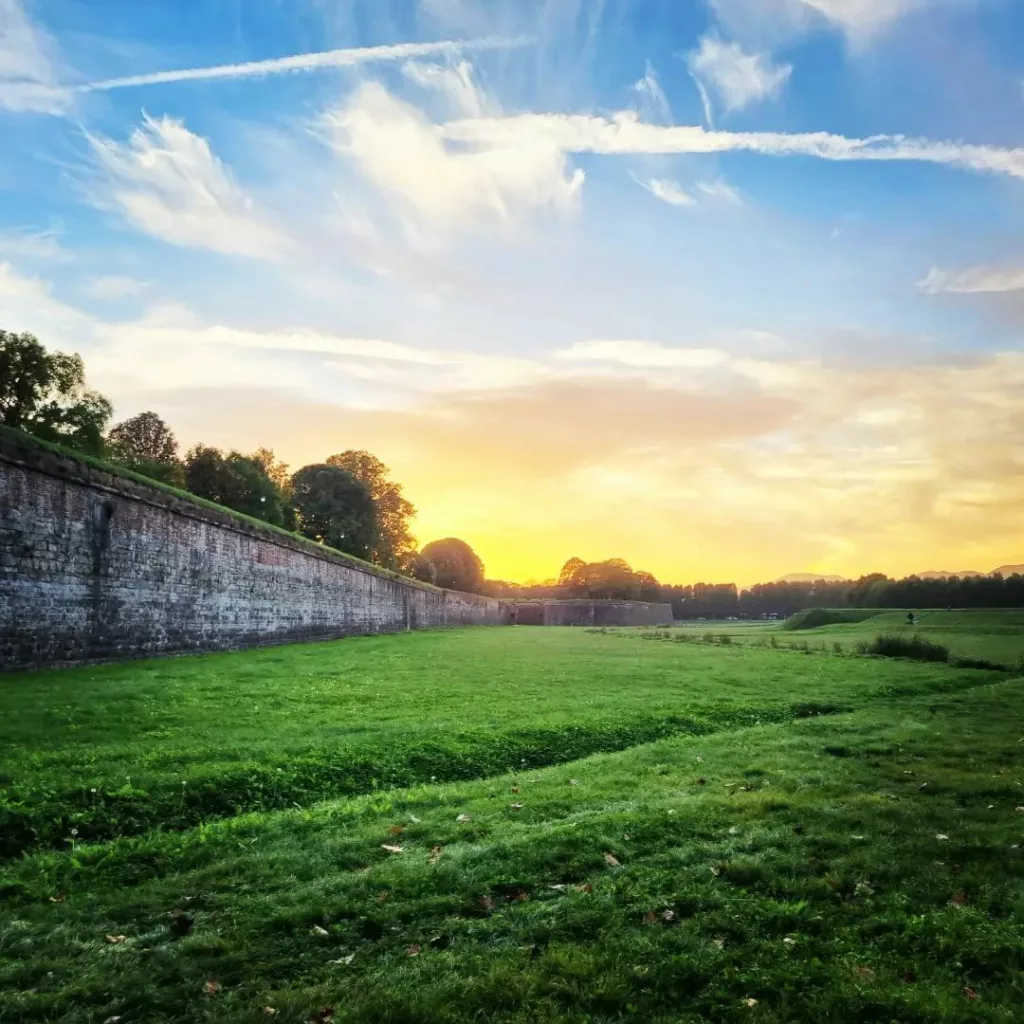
[456,565]
[145,444]
[336,509]
[569,578]
[277,472]
[393,510]
[235,481]
[44,393]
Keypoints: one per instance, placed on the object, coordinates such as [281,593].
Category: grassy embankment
[858,866]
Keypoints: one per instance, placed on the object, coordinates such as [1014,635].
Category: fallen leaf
[269,1011]
[650,917]
[700,760]
[924,785]
[112,1020]
[864,889]
[344,960]
[969,992]
[718,943]
[440,942]
[515,789]
[585,887]
[535,779]
[435,855]
[959,899]
[574,782]
[317,930]
[463,818]
[383,895]
[750,1001]
[324,1015]
[211,988]
[396,830]
[59,898]
[391,849]
[668,916]
[941,836]
[520,896]
[1019,810]
[414,819]
[865,972]
[787,941]
[412,950]
[611,859]
[715,870]
[734,831]
[116,939]
[486,902]
[516,807]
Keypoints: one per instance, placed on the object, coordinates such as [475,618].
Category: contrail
[308,62]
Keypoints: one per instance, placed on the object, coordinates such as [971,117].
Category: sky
[729,289]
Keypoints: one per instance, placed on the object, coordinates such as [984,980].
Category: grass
[857,866]
[119,749]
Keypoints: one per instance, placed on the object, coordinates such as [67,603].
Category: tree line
[349,502]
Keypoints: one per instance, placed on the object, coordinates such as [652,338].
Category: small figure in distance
[911,620]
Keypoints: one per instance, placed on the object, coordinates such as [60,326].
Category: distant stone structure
[97,566]
[564,612]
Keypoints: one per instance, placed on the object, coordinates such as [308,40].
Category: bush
[812,618]
[916,648]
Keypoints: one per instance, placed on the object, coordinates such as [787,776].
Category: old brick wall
[97,566]
[556,612]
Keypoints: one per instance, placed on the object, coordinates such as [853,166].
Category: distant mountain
[1008,570]
[944,574]
[810,577]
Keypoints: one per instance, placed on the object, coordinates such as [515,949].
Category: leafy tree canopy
[145,444]
[236,481]
[336,509]
[456,565]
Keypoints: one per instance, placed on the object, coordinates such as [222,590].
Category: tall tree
[145,444]
[235,481]
[336,509]
[456,565]
[277,472]
[44,393]
[393,510]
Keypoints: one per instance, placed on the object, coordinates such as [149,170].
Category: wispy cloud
[860,17]
[346,58]
[667,191]
[719,188]
[737,77]
[108,287]
[435,189]
[989,278]
[169,183]
[42,246]
[28,81]
[653,101]
[625,134]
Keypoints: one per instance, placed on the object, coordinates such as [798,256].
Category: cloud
[654,102]
[437,189]
[738,78]
[28,81]
[862,17]
[43,246]
[667,191]
[354,57]
[455,82]
[114,286]
[719,188]
[625,134]
[973,280]
[168,182]
[642,354]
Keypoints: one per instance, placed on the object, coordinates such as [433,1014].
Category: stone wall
[98,566]
[557,612]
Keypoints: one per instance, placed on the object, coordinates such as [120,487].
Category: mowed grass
[854,868]
[996,635]
[103,751]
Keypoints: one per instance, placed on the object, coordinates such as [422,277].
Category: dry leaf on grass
[574,782]
[324,1015]
[750,1001]
[269,1011]
[668,916]
[211,988]
[514,789]
[463,818]
[115,940]
[585,887]
[650,917]
[486,902]
[715,870]
[941,836]
[516,807]
[959,899]
[718,943]
[59,898]
[612,860]
[414,819]
[317,930]
[435,855]
[396,830]
[412,950]
[391,849]
[969,993]
[382,895]
[112,1020]
[343,960]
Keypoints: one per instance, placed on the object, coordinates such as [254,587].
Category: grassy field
[997,635]
[615,830]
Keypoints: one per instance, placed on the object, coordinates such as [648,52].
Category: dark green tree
[393,510]
[145,444]
[336,509]
[456,565]
[44,393]
[235,481]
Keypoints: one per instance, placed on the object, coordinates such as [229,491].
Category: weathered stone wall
[98,566]
[556,612]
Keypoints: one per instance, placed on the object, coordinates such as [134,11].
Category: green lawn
[997,635]
[861,865]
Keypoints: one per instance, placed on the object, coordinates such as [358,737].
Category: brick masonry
[95,566]
[559,612]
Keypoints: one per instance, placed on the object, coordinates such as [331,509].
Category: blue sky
[728,288]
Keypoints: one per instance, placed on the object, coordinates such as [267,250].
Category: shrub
[812,618]
[916,648]
[725,639]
